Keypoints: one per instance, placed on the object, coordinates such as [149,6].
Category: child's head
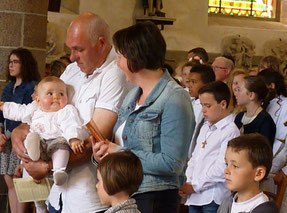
[186,72]
[214,98]
[51,94]
[251,88]
[274,81]
[199,76]
[269,62]
[198,53]
[119,173]
[21,63]
[248,161]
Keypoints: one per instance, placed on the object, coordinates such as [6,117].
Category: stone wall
[23,24]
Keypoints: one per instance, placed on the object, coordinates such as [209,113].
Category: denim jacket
[159,132]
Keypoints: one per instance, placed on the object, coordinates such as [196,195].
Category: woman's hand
[3,140]
[102,148]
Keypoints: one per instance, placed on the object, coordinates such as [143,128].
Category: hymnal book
[27,190]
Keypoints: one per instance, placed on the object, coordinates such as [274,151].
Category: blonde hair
[49,79]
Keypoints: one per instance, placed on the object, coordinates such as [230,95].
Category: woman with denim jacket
[156,119]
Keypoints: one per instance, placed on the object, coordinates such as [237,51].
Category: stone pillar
[23,23]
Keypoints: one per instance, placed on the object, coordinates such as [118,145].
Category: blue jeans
[209,208]
[166,201]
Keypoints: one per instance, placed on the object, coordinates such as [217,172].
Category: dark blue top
[21,95]
[263,124]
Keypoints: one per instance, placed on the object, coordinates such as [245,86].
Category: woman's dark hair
[29,66]
[257,85]
[142,45]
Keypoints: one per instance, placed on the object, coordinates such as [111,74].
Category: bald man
[222,67]
[96,87]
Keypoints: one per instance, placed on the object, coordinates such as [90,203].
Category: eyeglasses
[217,67]
[14,62]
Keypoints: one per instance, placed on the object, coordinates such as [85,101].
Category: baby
[55,125]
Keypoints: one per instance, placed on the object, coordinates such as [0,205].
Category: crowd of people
[206,136]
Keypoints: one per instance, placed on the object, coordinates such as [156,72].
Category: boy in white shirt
[205,185]
[199,76]
[248,161]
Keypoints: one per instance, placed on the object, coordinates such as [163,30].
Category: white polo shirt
[105,88]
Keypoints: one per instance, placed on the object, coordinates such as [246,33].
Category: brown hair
[257,85]
[258,149]
[271,61]
[29,67]
[121,171]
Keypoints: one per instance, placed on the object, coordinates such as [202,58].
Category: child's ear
[260,173]
[251,95]
[223,104]
[36,98]
[271,86]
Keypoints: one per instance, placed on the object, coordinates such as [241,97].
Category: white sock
[32,145]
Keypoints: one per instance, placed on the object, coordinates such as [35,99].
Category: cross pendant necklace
[203,144]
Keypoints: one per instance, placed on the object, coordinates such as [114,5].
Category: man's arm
[18,136]
[104,119]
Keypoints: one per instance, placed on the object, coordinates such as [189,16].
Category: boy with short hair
[119,175]
[248,161]
[205,185]
[199,76]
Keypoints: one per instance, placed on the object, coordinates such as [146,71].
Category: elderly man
[222,67]
[97,87]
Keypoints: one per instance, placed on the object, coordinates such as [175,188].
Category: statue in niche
[154,7]
[55,42]
[240,48]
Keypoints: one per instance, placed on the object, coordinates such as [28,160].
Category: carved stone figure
[240,48]
[154,7]
[277,48]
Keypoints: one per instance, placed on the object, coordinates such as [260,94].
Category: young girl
[119,176]
[233,80]
[251,93]
[22,74]
[277,107]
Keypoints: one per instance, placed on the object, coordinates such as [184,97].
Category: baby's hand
[76,145]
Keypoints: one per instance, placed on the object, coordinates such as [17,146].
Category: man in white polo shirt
[96,87]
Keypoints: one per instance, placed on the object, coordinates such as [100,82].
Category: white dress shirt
[205,169]
[277,108]
[105,88]
[198,116]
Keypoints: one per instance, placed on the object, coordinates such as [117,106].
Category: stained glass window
[255,8]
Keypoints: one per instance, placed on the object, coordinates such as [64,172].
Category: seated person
[205,185]
[186,72]
[119,175]
[248,161]
[54,125]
